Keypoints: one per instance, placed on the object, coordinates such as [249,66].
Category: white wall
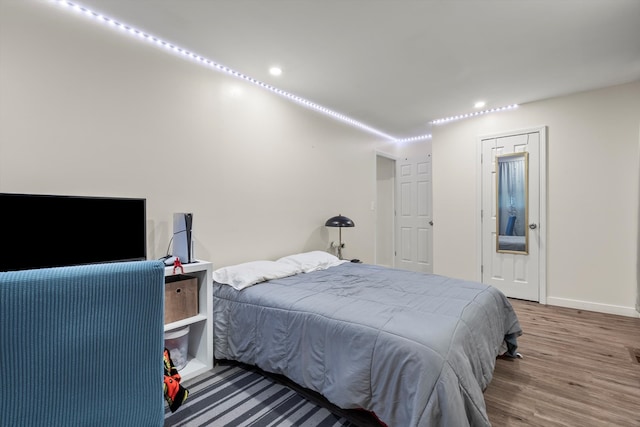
[592,207]
[638,240]
[87,110]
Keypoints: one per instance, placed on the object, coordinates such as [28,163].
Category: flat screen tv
[39,231]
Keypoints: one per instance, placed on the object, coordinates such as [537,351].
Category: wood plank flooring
[578,370]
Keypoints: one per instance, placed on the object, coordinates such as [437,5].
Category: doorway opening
[385,210]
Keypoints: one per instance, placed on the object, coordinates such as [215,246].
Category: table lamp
[339,221]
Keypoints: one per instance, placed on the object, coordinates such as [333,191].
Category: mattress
[512,243]
[416,349]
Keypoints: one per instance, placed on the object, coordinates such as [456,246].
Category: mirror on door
[512,185]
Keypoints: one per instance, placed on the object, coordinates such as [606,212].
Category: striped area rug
[240,396]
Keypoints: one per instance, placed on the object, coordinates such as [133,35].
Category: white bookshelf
[200,352]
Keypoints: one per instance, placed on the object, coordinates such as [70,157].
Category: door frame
[542,223]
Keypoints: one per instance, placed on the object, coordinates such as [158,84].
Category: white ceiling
[397,64]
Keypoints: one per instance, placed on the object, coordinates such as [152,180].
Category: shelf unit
[200,353]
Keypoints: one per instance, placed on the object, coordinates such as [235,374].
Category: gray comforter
[416,349]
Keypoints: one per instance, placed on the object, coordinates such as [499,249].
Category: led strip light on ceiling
[211,64]
[413,138]
[476,113]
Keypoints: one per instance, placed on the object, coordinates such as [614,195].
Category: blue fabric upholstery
[82,345]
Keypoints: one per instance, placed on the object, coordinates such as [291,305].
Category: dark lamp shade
[339,221]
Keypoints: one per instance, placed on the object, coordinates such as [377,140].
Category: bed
[415,349]
[512,243]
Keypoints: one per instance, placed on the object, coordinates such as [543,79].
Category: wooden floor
[578,369]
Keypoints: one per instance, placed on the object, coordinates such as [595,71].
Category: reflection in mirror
[512,181]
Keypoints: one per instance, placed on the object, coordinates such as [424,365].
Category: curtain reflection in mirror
[512,202]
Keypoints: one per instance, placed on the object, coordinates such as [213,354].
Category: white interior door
[414,236]
[518,275]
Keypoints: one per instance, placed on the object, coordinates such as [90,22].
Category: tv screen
[39,231]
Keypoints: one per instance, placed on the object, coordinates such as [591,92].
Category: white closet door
[414,234]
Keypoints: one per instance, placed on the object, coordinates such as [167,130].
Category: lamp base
[338,249]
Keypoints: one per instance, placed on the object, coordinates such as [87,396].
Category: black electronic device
[38,231]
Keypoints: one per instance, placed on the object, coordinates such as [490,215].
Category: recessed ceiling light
[275,71]
[479,104]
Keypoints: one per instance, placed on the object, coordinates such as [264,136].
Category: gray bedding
[416,349]
[512,243]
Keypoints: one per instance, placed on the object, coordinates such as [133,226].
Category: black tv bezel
[39,265]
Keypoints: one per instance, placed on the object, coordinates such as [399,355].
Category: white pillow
[243,275]
[312,261]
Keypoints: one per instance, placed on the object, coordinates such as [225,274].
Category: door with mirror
[510,214]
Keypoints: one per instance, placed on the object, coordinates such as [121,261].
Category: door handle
[430,222]
[533,226]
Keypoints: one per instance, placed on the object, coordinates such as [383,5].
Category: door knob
[533,226]
[430,222]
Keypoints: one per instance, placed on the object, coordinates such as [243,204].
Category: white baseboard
[593,306]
